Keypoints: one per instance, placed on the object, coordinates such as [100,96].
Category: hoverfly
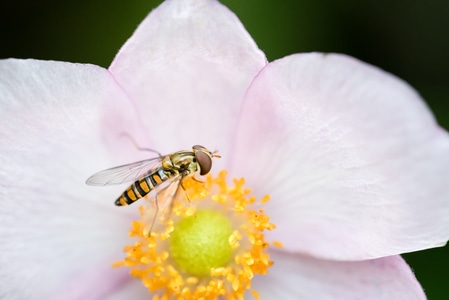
[158,176]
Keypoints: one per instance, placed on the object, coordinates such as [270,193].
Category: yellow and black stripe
[142,187]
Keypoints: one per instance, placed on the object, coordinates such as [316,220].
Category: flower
[352,159]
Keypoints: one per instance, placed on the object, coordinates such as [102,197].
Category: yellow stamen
[278,244]
[173,269]
[255,294]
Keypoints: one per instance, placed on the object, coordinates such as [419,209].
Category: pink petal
[134,289]
[187,67]
[295,276]
[59,237]
[352,158]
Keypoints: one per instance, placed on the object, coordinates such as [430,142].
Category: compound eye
[198,148]
[205,162]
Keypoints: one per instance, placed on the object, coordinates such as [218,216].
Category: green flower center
[201,242]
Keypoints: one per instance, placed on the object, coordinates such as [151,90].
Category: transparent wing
[125,173]
[159,204]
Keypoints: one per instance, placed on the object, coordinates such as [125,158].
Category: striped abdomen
[141,187]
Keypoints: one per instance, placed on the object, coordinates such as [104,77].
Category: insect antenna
[214,154]
[137,146]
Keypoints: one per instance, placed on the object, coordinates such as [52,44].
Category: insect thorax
[182,162]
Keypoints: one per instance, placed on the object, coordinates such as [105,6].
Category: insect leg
[127,135]
[146,231]
[176,195]
[184,189]
[161,206]
[197,180]
[181,184]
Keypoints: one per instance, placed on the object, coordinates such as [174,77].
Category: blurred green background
[407,38]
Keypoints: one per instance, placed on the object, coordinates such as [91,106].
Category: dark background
[407,38]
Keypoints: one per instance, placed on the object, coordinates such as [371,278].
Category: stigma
[209,245]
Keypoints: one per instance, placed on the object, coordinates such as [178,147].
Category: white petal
[187,67]
[56,233]
[352,158]
[296,276]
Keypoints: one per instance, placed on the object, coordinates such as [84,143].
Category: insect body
[144,186]
[161,175]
